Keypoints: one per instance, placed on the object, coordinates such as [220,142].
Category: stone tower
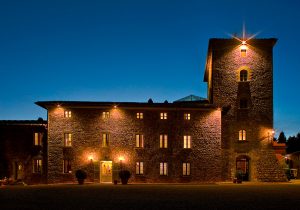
[239,75]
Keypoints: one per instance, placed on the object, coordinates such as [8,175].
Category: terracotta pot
[80,181]
[124,181]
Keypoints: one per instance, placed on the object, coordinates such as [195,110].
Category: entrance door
[242,164]
[18,170]
[106,172]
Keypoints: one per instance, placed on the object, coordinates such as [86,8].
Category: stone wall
[227,90]
[17,150]
[87,127]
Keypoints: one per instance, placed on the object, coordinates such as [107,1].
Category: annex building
[190,140]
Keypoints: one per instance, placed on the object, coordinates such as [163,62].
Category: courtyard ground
[152,196]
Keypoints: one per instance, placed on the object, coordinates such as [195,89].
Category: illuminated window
[68,140]
[186,169]
[139,139]
[187,116]
[105,115]
[38,139]
[242,135]
[243,52]
[243,75]
[67,166]
[163,141]
[243,104]
[163,115]
[163,169]
[139,115]
[105,140]
[68,114]
[37,166]
[186,142]
[139,168]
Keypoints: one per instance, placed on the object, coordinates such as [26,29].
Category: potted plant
[239,176]
[81,176]
[124,176]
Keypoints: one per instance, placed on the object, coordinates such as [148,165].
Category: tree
[281,138]
[293,144]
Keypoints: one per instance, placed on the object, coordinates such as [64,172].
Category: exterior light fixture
[115,106]
[91,158]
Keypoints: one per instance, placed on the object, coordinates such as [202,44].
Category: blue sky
[134,50]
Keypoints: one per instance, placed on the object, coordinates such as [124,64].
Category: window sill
[242,141]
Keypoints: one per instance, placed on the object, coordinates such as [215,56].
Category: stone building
[23,150]
[190,140]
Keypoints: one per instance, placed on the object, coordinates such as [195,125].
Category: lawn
[151,196]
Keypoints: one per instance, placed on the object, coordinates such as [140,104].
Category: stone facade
[87,127]
[255,115]
[18,150]
[230,132]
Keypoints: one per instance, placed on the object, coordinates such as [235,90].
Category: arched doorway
[242,165]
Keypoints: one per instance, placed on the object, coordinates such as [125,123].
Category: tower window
[242,135]
[243,75]
[243,104]
[68,140]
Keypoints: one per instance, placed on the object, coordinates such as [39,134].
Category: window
[186,169]
[139,169]
[105,140]
[187,116]
[242,135]
[243,104]
[243,52]
[68,114]
[67,166]
[186,142]
[38,139]
[105,115]
[139,139]
[139,115]
[243,75]
[163,115]
[163,141]
[68,140]
[37,166]
[163,170]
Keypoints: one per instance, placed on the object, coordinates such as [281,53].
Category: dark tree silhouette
[281,138]
[293,144]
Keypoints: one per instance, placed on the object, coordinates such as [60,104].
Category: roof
[23,122]
[127,105]
[219,43]
[191,98]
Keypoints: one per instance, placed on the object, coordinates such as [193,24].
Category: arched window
[243,75]
[242,135]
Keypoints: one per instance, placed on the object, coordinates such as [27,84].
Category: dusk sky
[134,50]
